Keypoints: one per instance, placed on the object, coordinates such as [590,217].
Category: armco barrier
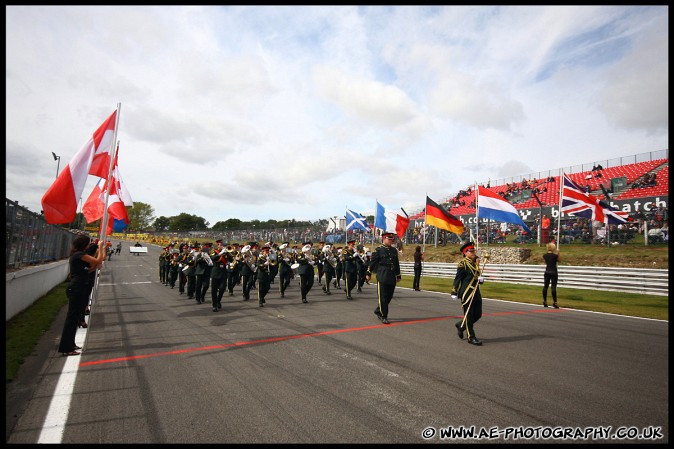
[635,280]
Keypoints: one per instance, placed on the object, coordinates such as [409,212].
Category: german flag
[440,218]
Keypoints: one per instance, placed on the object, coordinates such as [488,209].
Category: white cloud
[266,112]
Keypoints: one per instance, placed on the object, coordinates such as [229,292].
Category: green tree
[161,224]
[187,222]
[227,225]
[140,216]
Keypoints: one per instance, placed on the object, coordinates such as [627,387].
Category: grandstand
[618,180]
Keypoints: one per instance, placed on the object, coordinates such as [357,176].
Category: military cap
[466,247]
[388,235]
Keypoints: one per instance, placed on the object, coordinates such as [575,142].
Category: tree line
[142,219]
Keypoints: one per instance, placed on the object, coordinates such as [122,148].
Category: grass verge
[23,331]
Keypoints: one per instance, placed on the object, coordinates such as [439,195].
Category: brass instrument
[348,254]
[263,262]
[329,256]
[308,254]
[248,257]
[363,254]
[273,257]
[287,255]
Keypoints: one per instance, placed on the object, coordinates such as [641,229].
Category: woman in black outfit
[81,264]
[550,276]
[418,258]
[91,250]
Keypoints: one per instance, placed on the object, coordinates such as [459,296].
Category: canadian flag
[101,162]
[118,198]
[94,205]
[59,203]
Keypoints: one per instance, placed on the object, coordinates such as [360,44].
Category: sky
[300,112]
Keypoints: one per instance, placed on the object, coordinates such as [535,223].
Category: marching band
[196,268]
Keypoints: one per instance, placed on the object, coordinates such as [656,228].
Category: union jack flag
[578,203]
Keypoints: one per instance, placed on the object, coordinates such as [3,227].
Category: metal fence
[634,280]
[29,240]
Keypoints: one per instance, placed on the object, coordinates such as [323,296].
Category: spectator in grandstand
[550,276]
[665,232]
[545,229]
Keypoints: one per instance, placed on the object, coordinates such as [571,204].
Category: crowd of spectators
[536,186]
[459,200]
[647,180]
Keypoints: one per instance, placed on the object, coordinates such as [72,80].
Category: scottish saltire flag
[355,221]
[390,221]
[491,205]
[576,202]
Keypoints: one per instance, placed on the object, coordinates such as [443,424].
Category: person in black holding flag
[385,262]
[467,288]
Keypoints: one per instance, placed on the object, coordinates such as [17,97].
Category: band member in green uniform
[363,261]
[191,272]
[218,275]
[203,272]
[306,270]
[263,275]
[318,257]
[248,268]
[349,257]
[173,269]
[286,258]
[164,259]
[467,287]
[339,269]
[329,264]
[182,265]
[385,263]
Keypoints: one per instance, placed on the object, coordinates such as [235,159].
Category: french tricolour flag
[491,205]
[390,221]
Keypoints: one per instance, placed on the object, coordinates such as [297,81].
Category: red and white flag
[95,205]
[59,203]
[103,141]
[118,198]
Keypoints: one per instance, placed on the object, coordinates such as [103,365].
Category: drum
[295,266]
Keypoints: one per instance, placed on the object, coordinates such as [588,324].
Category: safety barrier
[635,280]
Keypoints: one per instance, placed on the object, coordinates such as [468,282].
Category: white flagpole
[425,218]
[477,221]
[104,223]
[559,215]
[346,225]
[376,214]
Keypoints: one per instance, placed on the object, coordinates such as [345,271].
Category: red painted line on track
[313,334]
